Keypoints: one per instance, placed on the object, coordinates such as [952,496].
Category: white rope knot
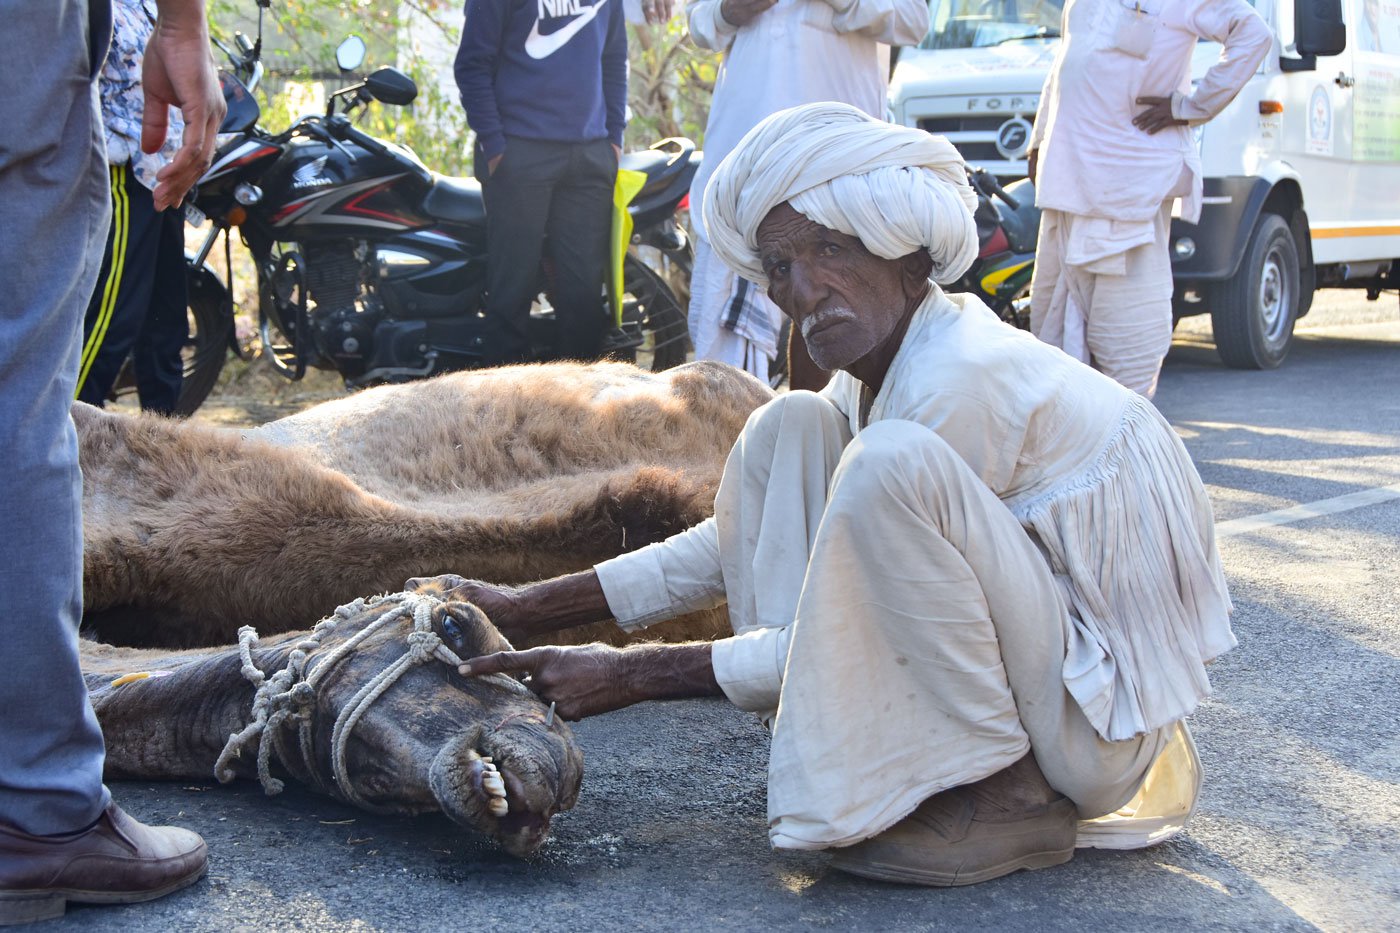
[423,645]
[291,692]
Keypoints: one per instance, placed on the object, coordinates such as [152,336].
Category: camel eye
[451,629]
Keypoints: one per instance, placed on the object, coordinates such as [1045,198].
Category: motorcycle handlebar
[1000,192]
[341,128]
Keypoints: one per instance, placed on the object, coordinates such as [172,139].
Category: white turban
[895,188]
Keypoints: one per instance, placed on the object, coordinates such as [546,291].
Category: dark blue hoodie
[543,69]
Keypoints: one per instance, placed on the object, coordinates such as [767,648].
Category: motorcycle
[370,264]
[1008,225]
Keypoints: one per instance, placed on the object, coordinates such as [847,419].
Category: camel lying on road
[506,475]
[197,536]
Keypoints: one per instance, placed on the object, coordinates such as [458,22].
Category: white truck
[1302,170]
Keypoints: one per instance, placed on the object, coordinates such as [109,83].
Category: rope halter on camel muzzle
[291,692]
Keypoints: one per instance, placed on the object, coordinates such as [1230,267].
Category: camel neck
[175,726]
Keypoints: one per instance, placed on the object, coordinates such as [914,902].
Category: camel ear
[439,585]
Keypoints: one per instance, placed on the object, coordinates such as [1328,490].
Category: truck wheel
[1253,313]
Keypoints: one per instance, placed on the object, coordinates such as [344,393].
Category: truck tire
[1252,314]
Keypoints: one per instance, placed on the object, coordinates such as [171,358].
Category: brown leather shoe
[117,861]
[964,836]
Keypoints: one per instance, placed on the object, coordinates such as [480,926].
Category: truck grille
[963,124]
[975,136]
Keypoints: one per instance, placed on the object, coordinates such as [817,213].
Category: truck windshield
[969,24]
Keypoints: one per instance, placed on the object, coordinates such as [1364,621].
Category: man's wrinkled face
[844,300]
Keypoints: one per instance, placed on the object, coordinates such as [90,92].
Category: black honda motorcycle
[371,264]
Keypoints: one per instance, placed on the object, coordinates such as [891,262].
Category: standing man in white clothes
[1111,150]
[778,54]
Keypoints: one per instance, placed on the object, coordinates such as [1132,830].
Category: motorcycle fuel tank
[342,190]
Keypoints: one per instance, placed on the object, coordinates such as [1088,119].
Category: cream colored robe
[1009,551]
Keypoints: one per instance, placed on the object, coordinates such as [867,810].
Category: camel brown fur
[507,475]
[484,751]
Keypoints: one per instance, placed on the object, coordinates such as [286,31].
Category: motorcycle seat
[660,165]
[1022,225]
[456,200]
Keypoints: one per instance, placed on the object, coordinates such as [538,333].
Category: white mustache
[823,317]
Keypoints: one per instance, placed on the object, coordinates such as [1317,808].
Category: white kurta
[796,52]
[1093,161]
[1103,286]
[1119,570]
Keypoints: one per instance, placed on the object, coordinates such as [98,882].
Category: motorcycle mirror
[391,86]
[350,54]
[243,111]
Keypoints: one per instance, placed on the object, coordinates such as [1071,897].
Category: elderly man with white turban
[973,583]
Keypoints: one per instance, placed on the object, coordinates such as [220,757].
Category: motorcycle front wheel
[205,350]
[649,304]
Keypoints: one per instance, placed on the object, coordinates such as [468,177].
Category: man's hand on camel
[581,680]
[500,603]
[743,12]
[1157,116]
[177,72]
[525,611]
[585,680]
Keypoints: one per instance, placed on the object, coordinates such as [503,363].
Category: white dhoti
[1102,292]
[914,638]
[743,338]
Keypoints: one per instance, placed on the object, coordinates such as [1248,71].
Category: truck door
[1317,133]
[1372,231]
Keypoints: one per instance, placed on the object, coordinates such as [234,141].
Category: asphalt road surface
[1298,826]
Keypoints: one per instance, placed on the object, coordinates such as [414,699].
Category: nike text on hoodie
[543,69]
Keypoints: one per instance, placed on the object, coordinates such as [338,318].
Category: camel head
[484,750]
[368,708]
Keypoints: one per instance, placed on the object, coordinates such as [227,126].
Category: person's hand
[177,72]
[1032,163]
[581,680]
[491,164]
[500,603]
[742,12]
[617,151]
[1157,116]
[657,11]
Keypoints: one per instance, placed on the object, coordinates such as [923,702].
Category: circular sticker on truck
[1014,137]
[1320,122]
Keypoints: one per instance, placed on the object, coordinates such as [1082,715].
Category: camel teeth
[487,759]
[498,806]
